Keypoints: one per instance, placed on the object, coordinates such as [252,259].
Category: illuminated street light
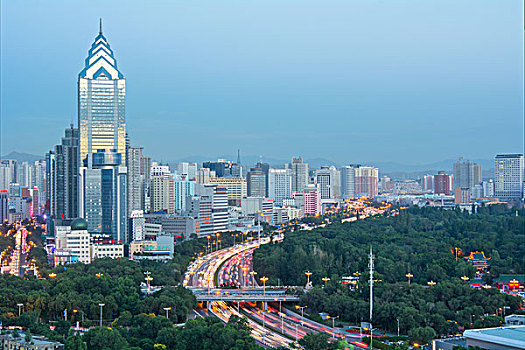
[308,274]
[167,309]
[431,283]
[99,275]
[263,280]
[244,269]
[148,279]
[464,278]
[325,280]
[333,325]
[52,275]
[409,276]
[302,309]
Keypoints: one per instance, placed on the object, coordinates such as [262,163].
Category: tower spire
[100,27]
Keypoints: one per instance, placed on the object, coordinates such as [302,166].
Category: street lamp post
[19,309]
[208,280]
[167,309]
[101,306]
[308,274]
[325,279]
[148,279]
[431,283]
[244,269]
[217,241]
[409,276]
[464,278]
[333,326]
[398,327]
[302,309]
[253,273]
[263,280]
[208,246]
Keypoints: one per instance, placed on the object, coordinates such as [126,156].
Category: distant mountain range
[392,169]
[22,157]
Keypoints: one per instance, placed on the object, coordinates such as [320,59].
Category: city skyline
[180,137]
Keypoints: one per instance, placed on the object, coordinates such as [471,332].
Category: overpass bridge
[240,295]
[244,297]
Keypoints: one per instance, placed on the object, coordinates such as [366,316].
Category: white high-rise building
[279,185]
[138,224]
[509,176]
[101,103]
[187,170]
[7,173]
[488,188]
[299,174]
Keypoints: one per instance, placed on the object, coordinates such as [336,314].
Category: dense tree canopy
[419,241]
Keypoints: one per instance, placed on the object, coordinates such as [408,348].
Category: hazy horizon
[320,80]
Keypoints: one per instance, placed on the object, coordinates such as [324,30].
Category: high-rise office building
[299,174]
[347,182]
[187,170]
[279,185]
[209,208]
[183,188]
[145,168]
[509,176]
[4,209]
[256,183]
[103,196]
[62,173]
[101,103]
[236,186]
[135,181]
[329,181]
[442,183]
[466,174]
[366,181]
[265,167]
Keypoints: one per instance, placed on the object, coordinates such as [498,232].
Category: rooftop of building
[504,278]
[509,335]
[513,155]
[35,339]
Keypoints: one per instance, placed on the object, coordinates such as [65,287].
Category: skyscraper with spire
[103,193]
[101,103]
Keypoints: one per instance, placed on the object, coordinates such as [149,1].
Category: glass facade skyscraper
[104,197]
[101,103]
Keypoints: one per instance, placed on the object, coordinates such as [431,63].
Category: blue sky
[351,81]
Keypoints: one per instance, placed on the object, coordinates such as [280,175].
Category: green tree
[75,342]
[103,338]
[421,335]
[317,341]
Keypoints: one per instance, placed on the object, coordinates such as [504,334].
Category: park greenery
[130,318]
[419,241]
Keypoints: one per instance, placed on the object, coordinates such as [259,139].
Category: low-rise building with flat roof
[500,338]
